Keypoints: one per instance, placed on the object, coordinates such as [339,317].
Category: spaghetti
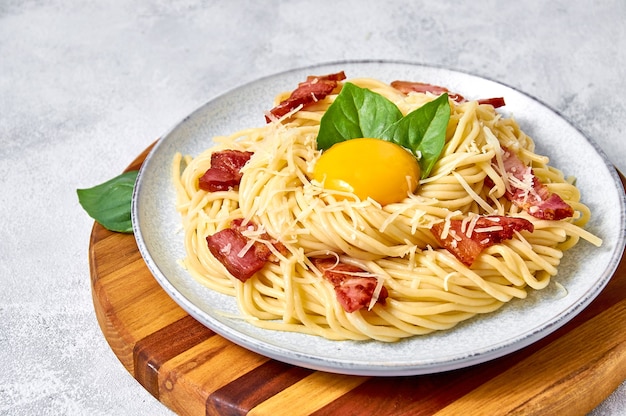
[428,288]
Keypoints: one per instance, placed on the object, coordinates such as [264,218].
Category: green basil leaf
[423,131]
[110,202]
[356,112]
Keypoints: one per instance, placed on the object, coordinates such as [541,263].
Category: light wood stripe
[123,287]
[150,353]
[187,380]
[238,397]
[310,394]
[149,313]
[116,251]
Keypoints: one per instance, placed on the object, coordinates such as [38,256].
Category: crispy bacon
[494,101]
[308,92]
[243,226]
[353,288]
[466,240]
[406,87]
[410,86]
[228,246]
[225,170]
[527,192]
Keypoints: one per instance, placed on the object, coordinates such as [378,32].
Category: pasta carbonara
[278,205]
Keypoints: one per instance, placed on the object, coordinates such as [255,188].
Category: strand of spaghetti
[467,129]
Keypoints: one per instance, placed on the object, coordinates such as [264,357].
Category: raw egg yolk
[371,168]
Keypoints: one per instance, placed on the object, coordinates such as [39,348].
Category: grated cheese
[488,229]
[464,223]
[525,184]
[446,226]
[252,232]
[522,239]
[226,249]
[472,225]
[390,219]
[445,280]
[376,294]
[483,204]
[493,141]
[245,248]
[455,236]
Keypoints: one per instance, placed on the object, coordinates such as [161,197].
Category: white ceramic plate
[584,271]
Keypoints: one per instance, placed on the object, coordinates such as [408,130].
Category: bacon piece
[466,244]
[527,191]
[315,88]
[353,288]
[495,101]
[225,245]
[225,170]
[228,246]
[406,87]
[244,227]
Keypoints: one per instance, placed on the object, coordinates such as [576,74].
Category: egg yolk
[367,167]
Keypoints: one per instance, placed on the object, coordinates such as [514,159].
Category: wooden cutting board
[193,371]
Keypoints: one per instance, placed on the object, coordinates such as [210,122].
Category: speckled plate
[583,273]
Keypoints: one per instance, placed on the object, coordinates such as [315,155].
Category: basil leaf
[110,202]
[356,112]
[423,131]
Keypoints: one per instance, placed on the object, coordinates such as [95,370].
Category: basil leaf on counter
[110,202]
[356,112]
[359,112]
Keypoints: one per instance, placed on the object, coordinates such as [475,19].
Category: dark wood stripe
[244,393]
[415,395]
[161,346]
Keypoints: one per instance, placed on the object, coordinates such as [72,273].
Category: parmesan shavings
[354,274]
[525,184]
[493,141]
[391,218]
[464,223]
[455,236]
[483,204]
[226,249]
[471,226]
[246,248]
[445,169]
[488,229]
[376,294]
[445,280]
[446,226]
[561,289]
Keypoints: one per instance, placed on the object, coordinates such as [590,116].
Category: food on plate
[366,210]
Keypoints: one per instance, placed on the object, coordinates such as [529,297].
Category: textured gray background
[86,86]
